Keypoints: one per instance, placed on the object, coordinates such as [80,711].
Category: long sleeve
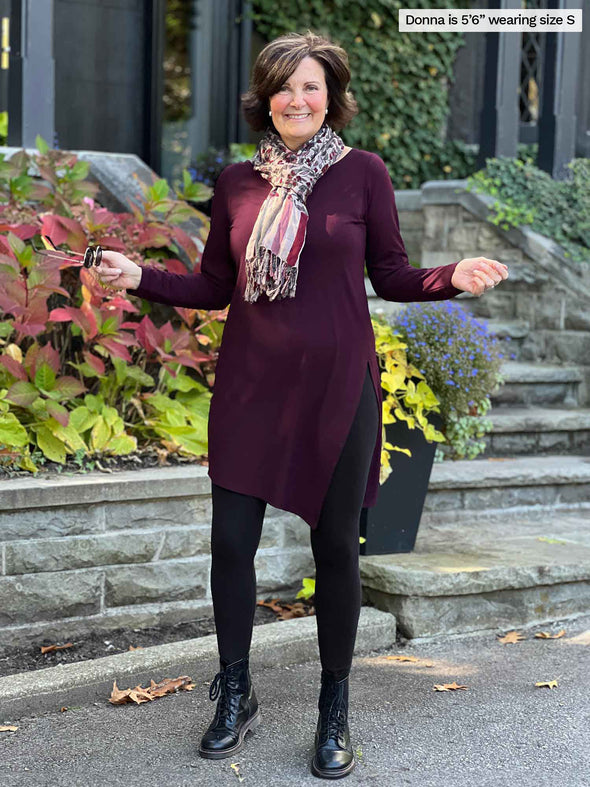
[390,273]
[212,286]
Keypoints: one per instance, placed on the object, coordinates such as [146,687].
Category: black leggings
[235,535]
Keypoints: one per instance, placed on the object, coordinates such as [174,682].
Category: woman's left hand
[478,274]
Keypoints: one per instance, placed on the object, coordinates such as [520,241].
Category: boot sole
[331,774]
[250,725]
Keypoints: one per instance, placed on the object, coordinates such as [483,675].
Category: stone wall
[98,551]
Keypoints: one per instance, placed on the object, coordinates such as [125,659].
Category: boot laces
[219,689]
[335,720]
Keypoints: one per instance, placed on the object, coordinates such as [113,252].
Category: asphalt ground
[501,730]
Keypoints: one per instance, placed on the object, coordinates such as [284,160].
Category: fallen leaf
[63,708]
[273,604]
[411,658]
[550,684]
[8,728]
[448,686]
[285,611]
[546,635]
[49,648]
[132,647]
[511,637]
[236,769]
[139,695]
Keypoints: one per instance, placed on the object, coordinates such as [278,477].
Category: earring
[326,110]
[270,113]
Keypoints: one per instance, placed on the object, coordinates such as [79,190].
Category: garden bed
[107,643]
[138,460]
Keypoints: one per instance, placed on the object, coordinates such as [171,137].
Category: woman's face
[299,107]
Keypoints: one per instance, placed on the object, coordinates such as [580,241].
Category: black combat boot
[333,755]
[237,710]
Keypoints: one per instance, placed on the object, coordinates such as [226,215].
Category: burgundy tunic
[290,372]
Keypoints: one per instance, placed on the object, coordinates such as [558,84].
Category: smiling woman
[296,413]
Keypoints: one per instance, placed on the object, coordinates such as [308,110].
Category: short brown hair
[279,59]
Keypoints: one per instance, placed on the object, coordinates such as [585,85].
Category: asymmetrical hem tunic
[290,372]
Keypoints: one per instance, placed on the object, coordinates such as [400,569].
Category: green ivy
[400,80]
[525,194]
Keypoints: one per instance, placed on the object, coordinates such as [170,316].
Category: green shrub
[559,209]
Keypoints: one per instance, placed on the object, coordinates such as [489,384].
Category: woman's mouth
[298,118]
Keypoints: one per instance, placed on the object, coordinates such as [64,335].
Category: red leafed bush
[84,372]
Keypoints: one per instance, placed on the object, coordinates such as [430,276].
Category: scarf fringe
[282,218]
[268,273]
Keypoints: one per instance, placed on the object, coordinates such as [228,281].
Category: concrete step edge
[538,419]
[285,642]
[465,573]
[510,471]
[521,372]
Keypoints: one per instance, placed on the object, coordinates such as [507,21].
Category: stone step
[557,346]
[463,578]
[512,329]
[538,384]
[538,430]
[513,335]
[463,489]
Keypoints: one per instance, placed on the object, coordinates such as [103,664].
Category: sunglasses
[92,255]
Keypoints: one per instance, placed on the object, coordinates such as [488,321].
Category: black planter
[392,525]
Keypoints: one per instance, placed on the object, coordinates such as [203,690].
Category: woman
[295,418]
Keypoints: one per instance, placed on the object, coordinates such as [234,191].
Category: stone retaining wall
[100,551]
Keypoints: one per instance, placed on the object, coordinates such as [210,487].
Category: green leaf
[42,146]
[183,436]
[52,447]
[161,188]
[109,326]
[69,435]
[100,434]
[45,377]
[12,433]
[121,444]
[141,377]
[81,419]
[94,403]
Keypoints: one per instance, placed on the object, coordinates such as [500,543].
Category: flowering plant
[406,394]
[461,361]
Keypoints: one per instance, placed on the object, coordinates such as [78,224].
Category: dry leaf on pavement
[550,684]
[448,686]
[139,694]
[511,637]
[411,658]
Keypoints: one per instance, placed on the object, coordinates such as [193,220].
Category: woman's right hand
[117,271]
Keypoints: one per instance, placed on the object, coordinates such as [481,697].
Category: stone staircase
[504,539]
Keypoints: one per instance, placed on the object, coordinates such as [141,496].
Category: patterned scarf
[274,248]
